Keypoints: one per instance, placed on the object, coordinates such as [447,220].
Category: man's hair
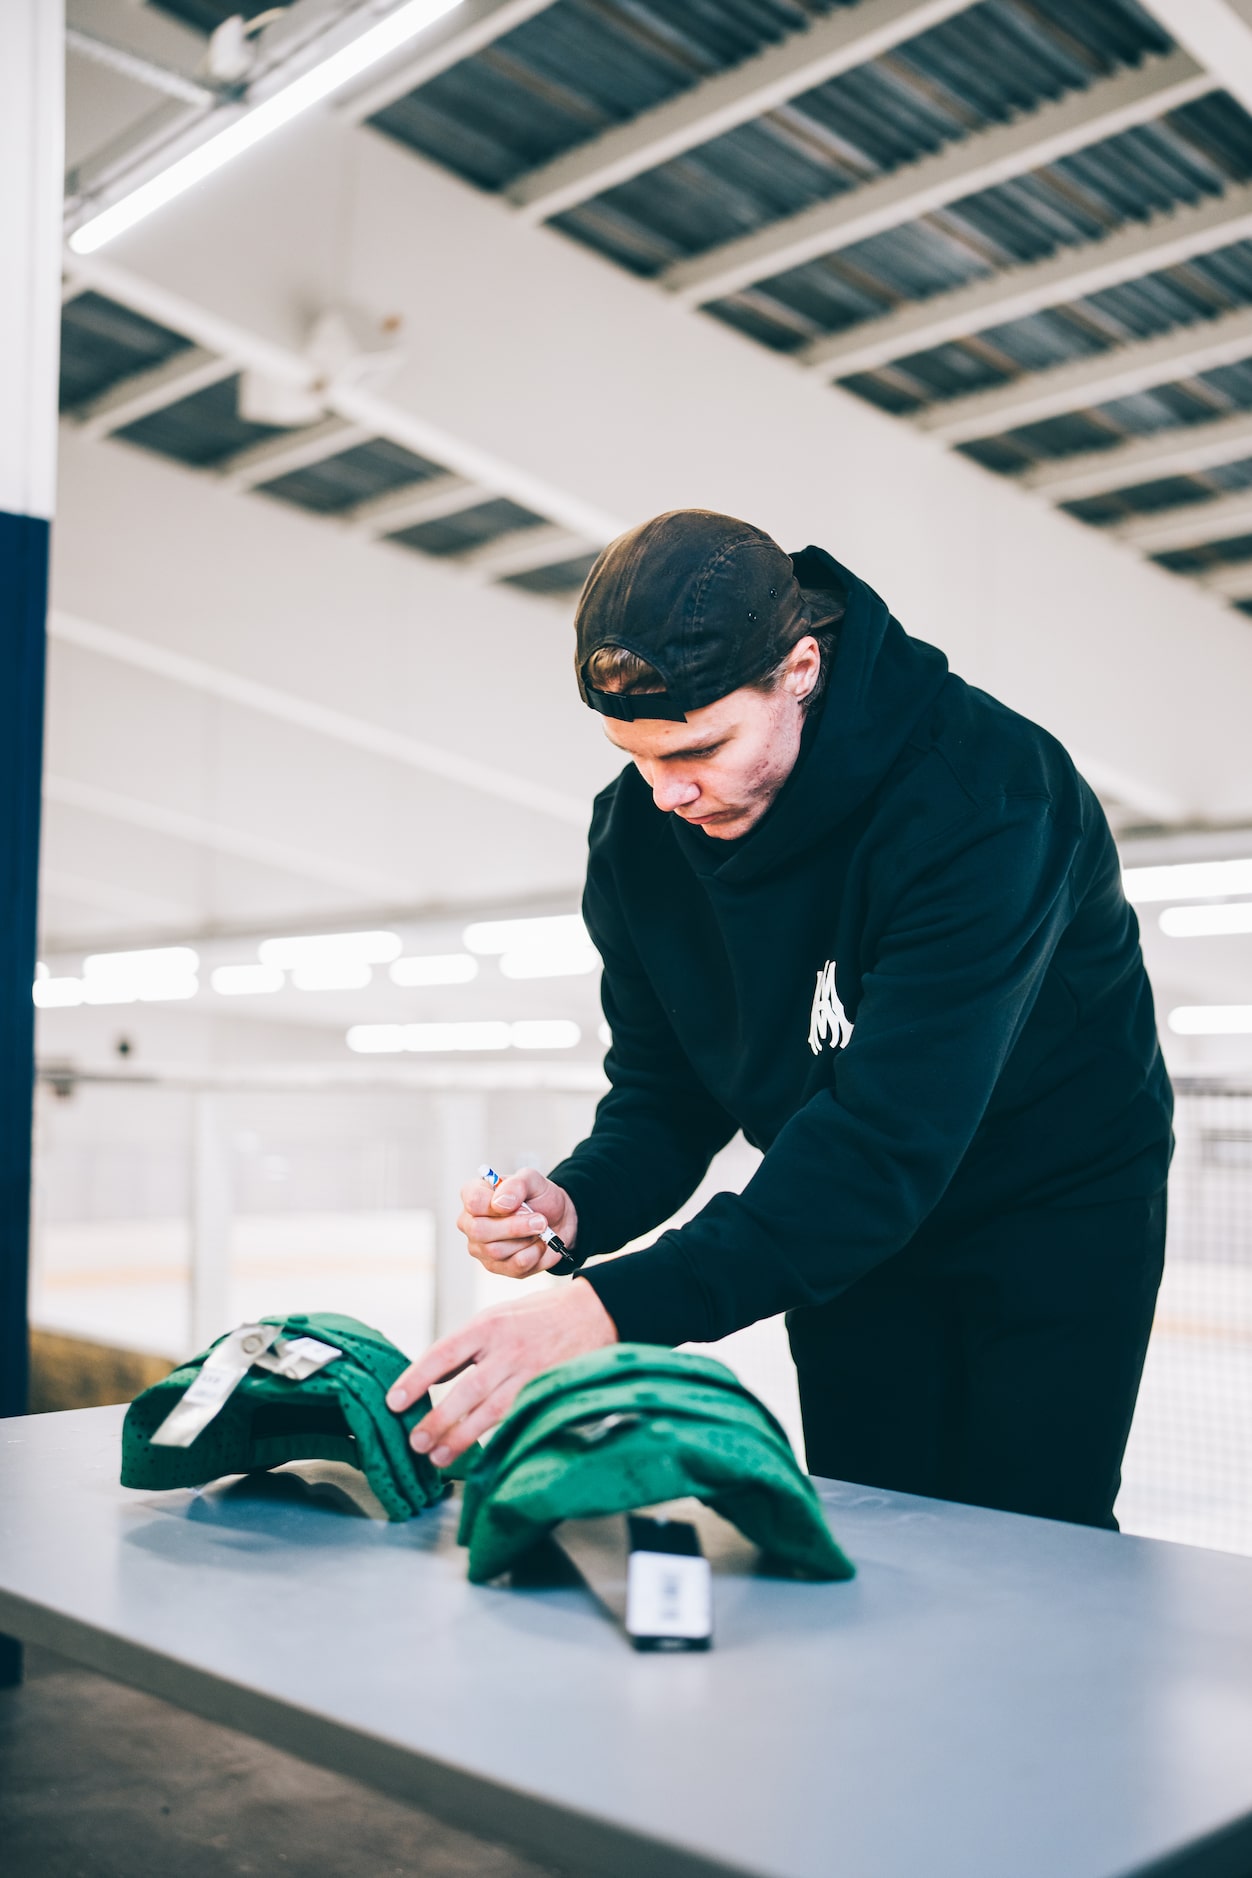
[614,668]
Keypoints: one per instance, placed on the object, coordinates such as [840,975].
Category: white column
[462,1150]
[211,1211]
[32,156]
[32,163]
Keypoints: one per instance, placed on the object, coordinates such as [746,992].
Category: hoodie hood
[882,682]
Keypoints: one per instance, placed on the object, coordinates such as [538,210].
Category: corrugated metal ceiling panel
[574,70]
[468,528]
[1230,553]
[103,343]
[977,69]
[338,483]
[1142,308]
[1192,154]
[1166,492]
[202,430]
[1198,400]
[1186,295]
[560,578]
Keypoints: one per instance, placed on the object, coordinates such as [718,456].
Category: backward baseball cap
[638,1425]
[339,1413]
[711,602]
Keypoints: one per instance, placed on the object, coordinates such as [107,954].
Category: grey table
[993,1697]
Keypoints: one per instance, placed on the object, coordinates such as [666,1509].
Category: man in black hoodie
[863,912]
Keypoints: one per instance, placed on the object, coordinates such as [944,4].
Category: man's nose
[674,792]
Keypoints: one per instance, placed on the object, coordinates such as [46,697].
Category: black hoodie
[915,984]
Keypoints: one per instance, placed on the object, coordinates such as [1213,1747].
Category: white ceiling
[261,719]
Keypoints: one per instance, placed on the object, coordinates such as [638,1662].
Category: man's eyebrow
[696,749]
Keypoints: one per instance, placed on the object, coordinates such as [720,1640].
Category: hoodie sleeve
[964,947]
[658,1127]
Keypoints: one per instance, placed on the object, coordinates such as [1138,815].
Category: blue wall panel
[23,608]
[23,643]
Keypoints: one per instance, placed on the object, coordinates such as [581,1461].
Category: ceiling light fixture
[52,994]
[544,1033]
[466,1036]
[327,948]
[331,975]
[246,981]
[376,1039]
[1187,880]
[550,962]
[1202,922]
[425,1039]
[436,968]
[563,932]
[157,975]
[1211,1020]
[385,1038]
[259,121]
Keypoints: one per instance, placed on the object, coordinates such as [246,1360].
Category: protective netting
[1188,1471]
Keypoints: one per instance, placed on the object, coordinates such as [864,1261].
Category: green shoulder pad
[636,1426]
[338,1414]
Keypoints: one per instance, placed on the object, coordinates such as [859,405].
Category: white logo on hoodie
[828,1021]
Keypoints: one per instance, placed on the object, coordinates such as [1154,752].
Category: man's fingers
[490,1230]
[510,1194]
[471,1391]
[493,1408]
[520,1267]
[443,1359]
[533,1257]
[476,1196]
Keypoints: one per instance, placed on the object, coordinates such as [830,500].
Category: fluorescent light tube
[318,949]
[168,990]
[376,1039]
[544,1033]
[436,968]
[108,991]
[258,122]
[465,1036]
[564,932]
[550,962]
[1197,922]
[529,1034]
[57,993]
[1188,880]
[1212,1020]
[331,975]
[157,975]
[246,981]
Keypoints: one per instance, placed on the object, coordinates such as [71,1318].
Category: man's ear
[806,658]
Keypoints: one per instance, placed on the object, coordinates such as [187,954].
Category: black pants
[999,1367]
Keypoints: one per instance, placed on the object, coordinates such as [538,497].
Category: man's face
[722,767]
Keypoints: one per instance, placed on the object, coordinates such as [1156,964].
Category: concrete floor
[99,1781]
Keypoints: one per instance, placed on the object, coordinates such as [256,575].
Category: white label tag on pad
[669,1598]
[221,1373]
[649,1571]
[297,1358]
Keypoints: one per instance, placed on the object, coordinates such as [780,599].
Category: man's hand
[502,1223]
[506,1346]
